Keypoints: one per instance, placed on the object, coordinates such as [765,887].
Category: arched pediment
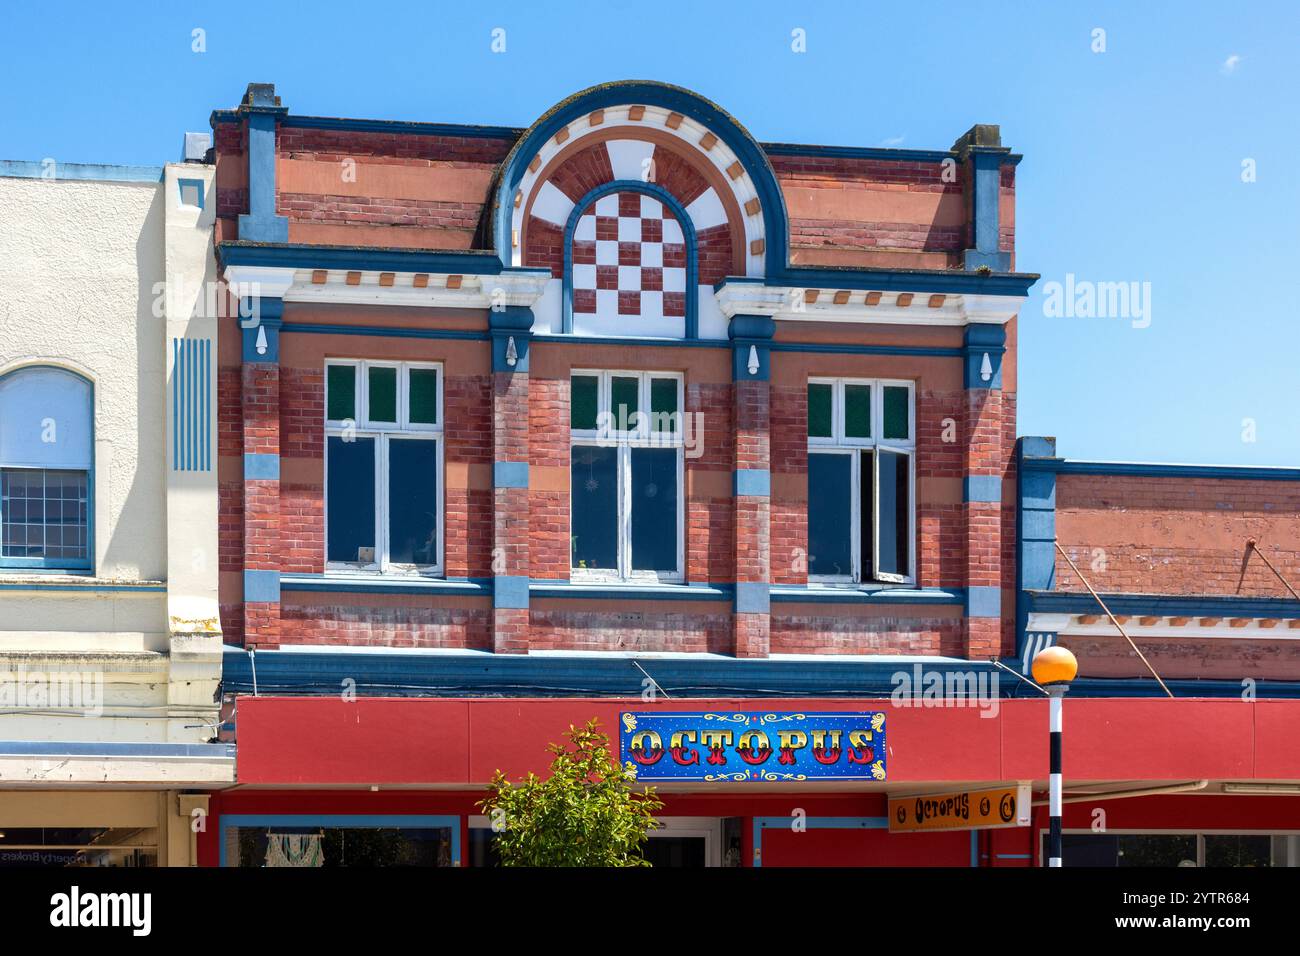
[660,135]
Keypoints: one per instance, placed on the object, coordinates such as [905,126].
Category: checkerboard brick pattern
[629,258]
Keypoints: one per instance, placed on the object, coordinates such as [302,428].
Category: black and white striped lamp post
[1054,668]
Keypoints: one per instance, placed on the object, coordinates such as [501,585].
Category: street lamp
[1054,668]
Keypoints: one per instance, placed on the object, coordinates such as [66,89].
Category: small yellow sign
[961,810]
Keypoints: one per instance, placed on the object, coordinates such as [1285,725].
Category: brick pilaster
[260,401]
[984,463]
[510,478]
[752,483]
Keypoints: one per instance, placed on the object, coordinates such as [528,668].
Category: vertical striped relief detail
[191,404]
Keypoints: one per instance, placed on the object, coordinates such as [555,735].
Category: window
[383,467]
[191,191]
[626,476]
[45,470]
[1171,849]
[861,475]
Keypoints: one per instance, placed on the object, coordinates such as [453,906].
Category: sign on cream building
[110,644]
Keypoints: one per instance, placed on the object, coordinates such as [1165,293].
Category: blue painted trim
[904,280]
[828,348]
[982,488]
[542,588]
[983,601]
[95,172]
[974,848]
[686,102]
[812,823]
[1163,605]
[404,821]
[261,586]
[55,748]
[751,340]
[756,482]
[70,585]
[512,322]
[692,323]
[191,404]
[356,584]
[983,339]
[261,223]
[753,597]
[268,320]
[363,259]
[317,328]
[198,184]
[1035,528]
[510,474]
[795,594]
[478,674]
[1141,469]
[262,467]
[985,185]
[404,127]
[510,591]
[646,341]
[885,153]
[1014,856]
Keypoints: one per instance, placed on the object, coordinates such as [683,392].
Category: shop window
[383,467]
[360,845]
[1178,849]
[78,846]
[45,470]
[626,507]
[861,481]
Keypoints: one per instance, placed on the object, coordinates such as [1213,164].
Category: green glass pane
[857,411]
[383,394]
[819,410]
[663,404]
[896,417]
[623,402]
[583,392]
[341,389]
[424,396]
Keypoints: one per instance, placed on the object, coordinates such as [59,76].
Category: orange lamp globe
[1054,665]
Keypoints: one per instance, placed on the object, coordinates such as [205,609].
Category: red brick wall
[809,629]
[846,211]
[346,619]
[669,627]
[1177,535]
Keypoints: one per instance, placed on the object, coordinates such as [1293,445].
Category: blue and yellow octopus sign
[753,746]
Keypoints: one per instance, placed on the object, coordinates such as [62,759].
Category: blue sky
[1132,169]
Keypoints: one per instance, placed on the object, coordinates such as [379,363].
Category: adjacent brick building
[629,402]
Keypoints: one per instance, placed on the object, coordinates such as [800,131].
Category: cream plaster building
[110,644]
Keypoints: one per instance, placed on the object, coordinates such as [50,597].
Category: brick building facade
[627,401]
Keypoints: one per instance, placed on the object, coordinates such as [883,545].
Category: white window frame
[839,443]
[639,436]
[384,433]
